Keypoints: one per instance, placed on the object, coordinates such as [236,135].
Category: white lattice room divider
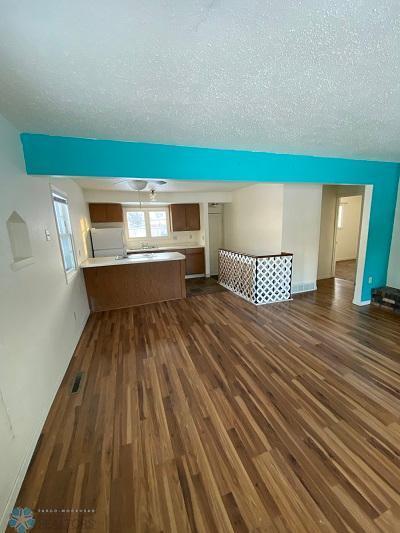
[259,280]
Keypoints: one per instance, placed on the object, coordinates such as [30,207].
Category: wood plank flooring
[200,286]
[209,414]
[346,270]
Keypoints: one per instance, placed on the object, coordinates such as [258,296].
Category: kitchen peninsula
[115,283]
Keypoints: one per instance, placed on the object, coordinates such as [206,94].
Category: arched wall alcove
[20,241]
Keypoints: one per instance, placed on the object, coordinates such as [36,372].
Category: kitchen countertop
[146,257]
[182,246]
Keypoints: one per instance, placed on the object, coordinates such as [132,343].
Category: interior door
[216,237]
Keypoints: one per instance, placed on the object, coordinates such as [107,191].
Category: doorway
[345,211]
[216,234]
[348,220]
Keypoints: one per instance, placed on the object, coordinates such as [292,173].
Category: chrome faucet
[147,246]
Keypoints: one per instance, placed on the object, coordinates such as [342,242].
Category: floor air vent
[76,385]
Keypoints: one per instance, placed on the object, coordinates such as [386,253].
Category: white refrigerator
[107,241]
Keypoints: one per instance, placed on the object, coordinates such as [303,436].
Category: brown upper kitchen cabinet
[185,217]
[106,213]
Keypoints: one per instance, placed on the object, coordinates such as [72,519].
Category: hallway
[346,270]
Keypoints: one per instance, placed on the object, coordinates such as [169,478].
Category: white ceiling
[119,184]
[316,76]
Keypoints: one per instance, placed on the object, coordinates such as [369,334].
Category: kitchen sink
[135,257]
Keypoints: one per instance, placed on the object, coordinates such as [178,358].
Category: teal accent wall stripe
[71,156]
[74,156]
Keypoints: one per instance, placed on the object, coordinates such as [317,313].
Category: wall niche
[20,241]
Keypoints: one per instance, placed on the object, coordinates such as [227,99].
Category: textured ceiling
[317,77]
[118,184]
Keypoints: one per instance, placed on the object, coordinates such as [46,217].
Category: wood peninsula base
[130,284]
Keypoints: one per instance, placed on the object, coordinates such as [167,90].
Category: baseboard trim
[307,286]
[27,459]
[361,302]
[21,475]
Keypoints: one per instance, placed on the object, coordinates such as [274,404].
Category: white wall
[270,218]
[394,260]
[300,232]
[38,328]
[347,236]
[326,248]
[253,221]
[122,197]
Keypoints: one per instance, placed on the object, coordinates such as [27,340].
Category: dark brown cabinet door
[178,217]
[195,261]
[192,217]
[114,213]
[97,212]
[185,217]
[106,212]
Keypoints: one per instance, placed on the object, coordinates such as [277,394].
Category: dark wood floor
[199,286]
[346,270]
[210,414]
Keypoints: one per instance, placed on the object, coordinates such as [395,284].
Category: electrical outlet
[370,280]
[47,234]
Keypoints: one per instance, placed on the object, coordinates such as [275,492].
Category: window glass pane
[65,234]
[61,217]
[136,224]
[158,223]
[68,252]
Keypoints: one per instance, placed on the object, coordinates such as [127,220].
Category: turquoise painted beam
[70,156]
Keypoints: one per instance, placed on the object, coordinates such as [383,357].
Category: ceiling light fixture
[141,185]
[138,185]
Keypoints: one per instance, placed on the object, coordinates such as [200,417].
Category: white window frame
[135,241]
[70,273]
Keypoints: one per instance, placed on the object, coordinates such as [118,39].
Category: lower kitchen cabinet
[195,261]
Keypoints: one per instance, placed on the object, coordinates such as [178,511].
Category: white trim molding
[361,303]
[362,246]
